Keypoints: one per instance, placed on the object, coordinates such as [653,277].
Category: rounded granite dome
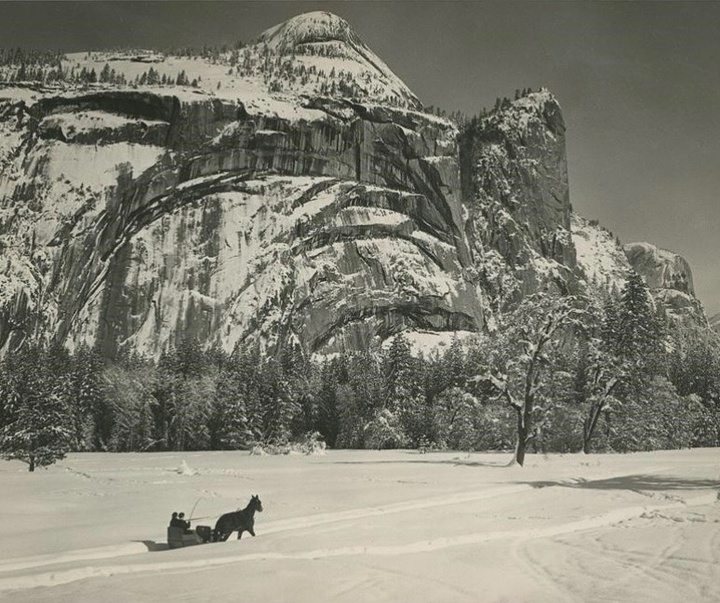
[328,45]
[309,28]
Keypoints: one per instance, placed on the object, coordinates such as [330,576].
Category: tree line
[558,373]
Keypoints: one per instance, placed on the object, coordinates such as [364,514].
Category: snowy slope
[312,54]
[600,257]
[357,526]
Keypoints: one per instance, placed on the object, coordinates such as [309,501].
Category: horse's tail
[216,529]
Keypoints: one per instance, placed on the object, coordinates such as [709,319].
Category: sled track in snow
[65,576]
[271,527]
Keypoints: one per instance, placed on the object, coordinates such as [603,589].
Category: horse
[237,520]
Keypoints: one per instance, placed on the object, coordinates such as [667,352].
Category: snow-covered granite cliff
[293,189]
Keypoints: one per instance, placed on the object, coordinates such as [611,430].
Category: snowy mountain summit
[326,42]
[317,27]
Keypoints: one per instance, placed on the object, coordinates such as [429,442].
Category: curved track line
[106,552]
[312,521]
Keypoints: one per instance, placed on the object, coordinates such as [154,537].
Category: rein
[206,517]
[193,509]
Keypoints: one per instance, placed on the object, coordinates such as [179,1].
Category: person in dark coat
[176,522]
[184,524]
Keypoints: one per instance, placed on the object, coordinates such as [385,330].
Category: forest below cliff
[557,374]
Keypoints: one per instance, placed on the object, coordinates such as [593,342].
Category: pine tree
[230,426]
[403,393]
[36,429]
[333,373]
[153,77]
[638,330]
[92,419]
[280,409]
[634,334]
[365,377]
[232,431]
[105,74]
[350,422]
[300,378]
[444,371]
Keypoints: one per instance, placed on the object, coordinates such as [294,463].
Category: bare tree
[519,359]
[604,375]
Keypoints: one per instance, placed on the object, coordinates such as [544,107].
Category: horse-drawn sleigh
[243,520]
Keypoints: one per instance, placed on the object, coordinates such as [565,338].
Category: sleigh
[180,537]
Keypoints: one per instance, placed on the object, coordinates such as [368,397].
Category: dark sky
[639,83]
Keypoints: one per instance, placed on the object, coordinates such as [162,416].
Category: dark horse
[237,520]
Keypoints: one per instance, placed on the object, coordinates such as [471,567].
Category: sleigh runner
[180,537]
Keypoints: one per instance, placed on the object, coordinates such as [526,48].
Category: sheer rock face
[683,307]
[661,269]
[516,187]
[669,278]
[233,226]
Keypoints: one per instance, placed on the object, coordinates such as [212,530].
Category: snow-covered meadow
[353,526]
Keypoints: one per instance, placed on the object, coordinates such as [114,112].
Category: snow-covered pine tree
[165,391]
[639,343]
[444,371]
[365,379]
[300,377]
[333,373]
[231,431]
[404,398]
[638,330]
[184,389]
[230,426]
[350,421]
[35,430]
[92,419]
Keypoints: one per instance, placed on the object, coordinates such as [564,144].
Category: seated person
[176,522]
[184,524]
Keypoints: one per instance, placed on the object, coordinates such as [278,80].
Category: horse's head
[256,503]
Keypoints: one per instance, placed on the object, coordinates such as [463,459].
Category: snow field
[367,526]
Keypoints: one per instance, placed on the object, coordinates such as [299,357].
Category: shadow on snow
[153,546]
[633,482]
[428,461]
